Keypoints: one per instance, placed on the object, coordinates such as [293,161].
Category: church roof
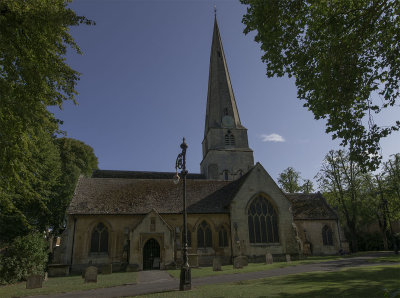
[140,196]
[131,192]
[310,206]
[140,175]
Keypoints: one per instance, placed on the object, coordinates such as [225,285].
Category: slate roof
[140,175]
[310,206]
[131,192]
[140,196]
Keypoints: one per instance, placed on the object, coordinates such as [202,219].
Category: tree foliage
[34,37]
[360,197]
[24,256]
[345,58]
[308,186]
[289,180]
[340,179]
[77,159]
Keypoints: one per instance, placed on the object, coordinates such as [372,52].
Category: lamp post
[185,277]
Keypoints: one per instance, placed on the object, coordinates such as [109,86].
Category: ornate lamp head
[176,178]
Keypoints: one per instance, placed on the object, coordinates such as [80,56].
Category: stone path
[159,281]
[155,276]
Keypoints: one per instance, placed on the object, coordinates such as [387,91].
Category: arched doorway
[151,255]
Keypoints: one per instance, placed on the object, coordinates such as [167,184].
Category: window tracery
[204,235]
[263,221]
[99,239]
[327,237]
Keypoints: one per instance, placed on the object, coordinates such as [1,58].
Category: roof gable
[310,206]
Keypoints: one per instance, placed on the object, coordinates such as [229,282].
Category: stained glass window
[99,240]
[204,235]
[262,221]
[327,238]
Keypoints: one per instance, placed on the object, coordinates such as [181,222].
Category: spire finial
[215,10]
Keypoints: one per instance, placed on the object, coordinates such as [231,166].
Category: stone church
[131,218]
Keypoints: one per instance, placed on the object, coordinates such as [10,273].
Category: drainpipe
[73,244]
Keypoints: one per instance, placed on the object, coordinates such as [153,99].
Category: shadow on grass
[360,282]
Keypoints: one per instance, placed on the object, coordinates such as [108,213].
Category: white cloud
[272,138]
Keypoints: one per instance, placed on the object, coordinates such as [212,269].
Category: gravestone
[34,281]
[91,274]
[268,258]
[237,263]
[288,258]
[106,269]
[217,264]
[45,276]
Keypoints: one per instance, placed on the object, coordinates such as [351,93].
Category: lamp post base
[185,278]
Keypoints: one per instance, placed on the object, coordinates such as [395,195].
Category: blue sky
[144,86]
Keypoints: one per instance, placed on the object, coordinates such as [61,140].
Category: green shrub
[370,241]
[23,256]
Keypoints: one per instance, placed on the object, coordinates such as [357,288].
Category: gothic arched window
[204,235]
[229,139]
[263,221]
[327,238]
[99,239]
[223,237]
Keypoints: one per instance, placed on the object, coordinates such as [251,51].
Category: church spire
[220,98]
[226,152]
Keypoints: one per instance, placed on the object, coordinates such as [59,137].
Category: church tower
[226,152]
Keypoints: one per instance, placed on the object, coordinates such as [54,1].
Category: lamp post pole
[185,277]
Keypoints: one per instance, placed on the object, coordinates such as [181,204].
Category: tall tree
[345,58]
[307,186]
[376,202]
[77,159]
[289,180]
[24,201]
[340,178]
[391,172]
[34,37]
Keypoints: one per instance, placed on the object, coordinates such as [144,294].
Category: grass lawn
[391,258]
[365,282]
[253,267]
[68,284]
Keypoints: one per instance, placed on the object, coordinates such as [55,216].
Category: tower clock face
[227,121]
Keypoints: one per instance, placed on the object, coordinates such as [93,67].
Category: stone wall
[260,183]
[311,230]
[167,231]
